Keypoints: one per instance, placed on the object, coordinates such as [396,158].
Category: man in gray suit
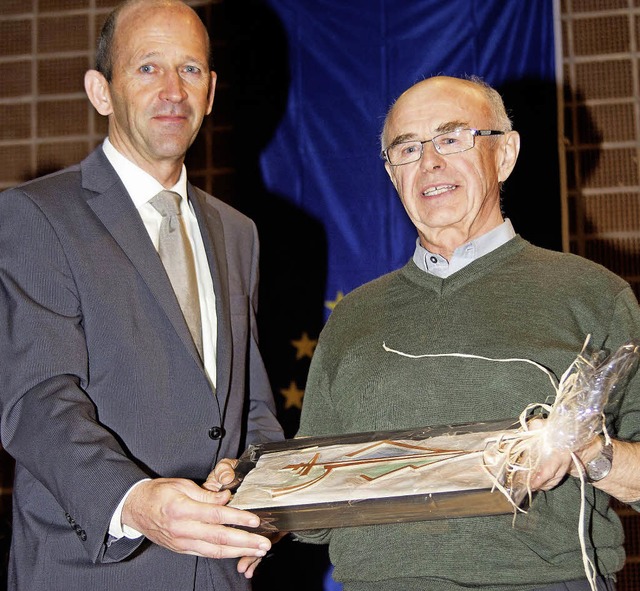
[112,412]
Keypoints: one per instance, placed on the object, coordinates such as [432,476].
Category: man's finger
[219,541]
[222,475]
[247,566]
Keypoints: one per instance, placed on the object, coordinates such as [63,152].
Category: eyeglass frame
[474,132]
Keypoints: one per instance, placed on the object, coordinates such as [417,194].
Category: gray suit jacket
[101,385]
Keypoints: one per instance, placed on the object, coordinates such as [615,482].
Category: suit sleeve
[262,423]
[48,422]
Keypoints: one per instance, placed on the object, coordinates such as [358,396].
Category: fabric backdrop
[348,61]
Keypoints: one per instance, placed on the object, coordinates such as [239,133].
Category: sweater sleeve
[625,325]
[318,418]
[318,412]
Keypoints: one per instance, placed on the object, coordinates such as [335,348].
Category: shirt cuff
[116,529]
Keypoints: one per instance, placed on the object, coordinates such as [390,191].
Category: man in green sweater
[474,287]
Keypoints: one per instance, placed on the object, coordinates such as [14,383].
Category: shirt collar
[140,185]
[436,264]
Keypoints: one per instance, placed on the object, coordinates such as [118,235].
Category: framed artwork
[377,477]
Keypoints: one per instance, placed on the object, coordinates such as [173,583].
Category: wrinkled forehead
[433,107]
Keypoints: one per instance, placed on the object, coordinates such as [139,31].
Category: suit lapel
[212,232]
[109,200]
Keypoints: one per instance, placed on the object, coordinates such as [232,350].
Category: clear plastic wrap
[577,414]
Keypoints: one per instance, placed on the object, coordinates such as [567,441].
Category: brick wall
[600,97]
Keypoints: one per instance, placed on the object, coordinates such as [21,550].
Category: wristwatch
[600,466]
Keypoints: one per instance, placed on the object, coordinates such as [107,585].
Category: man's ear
[212,91]
[508,154]
[97,89]
[389,170]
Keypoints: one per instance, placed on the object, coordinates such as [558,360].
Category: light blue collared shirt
[436,264]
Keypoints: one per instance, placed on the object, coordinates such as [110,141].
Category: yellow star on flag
[331,304]
[304,346]
[293,396]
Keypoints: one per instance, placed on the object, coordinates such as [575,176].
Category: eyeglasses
[452,142]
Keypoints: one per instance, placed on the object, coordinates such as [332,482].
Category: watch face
[599,467]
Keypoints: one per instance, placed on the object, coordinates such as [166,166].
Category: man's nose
[173,87]
[431,159]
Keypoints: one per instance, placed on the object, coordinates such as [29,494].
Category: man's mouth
[170,117]
[438,190]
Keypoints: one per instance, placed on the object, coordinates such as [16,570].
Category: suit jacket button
[216,433]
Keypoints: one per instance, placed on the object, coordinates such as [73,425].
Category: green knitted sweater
[517,301]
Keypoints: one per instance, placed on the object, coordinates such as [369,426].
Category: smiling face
[455,198]
[161,87]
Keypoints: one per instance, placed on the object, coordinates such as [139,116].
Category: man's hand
[556,464]
[552,470]
[224,475]
[178,514]
[622,482]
